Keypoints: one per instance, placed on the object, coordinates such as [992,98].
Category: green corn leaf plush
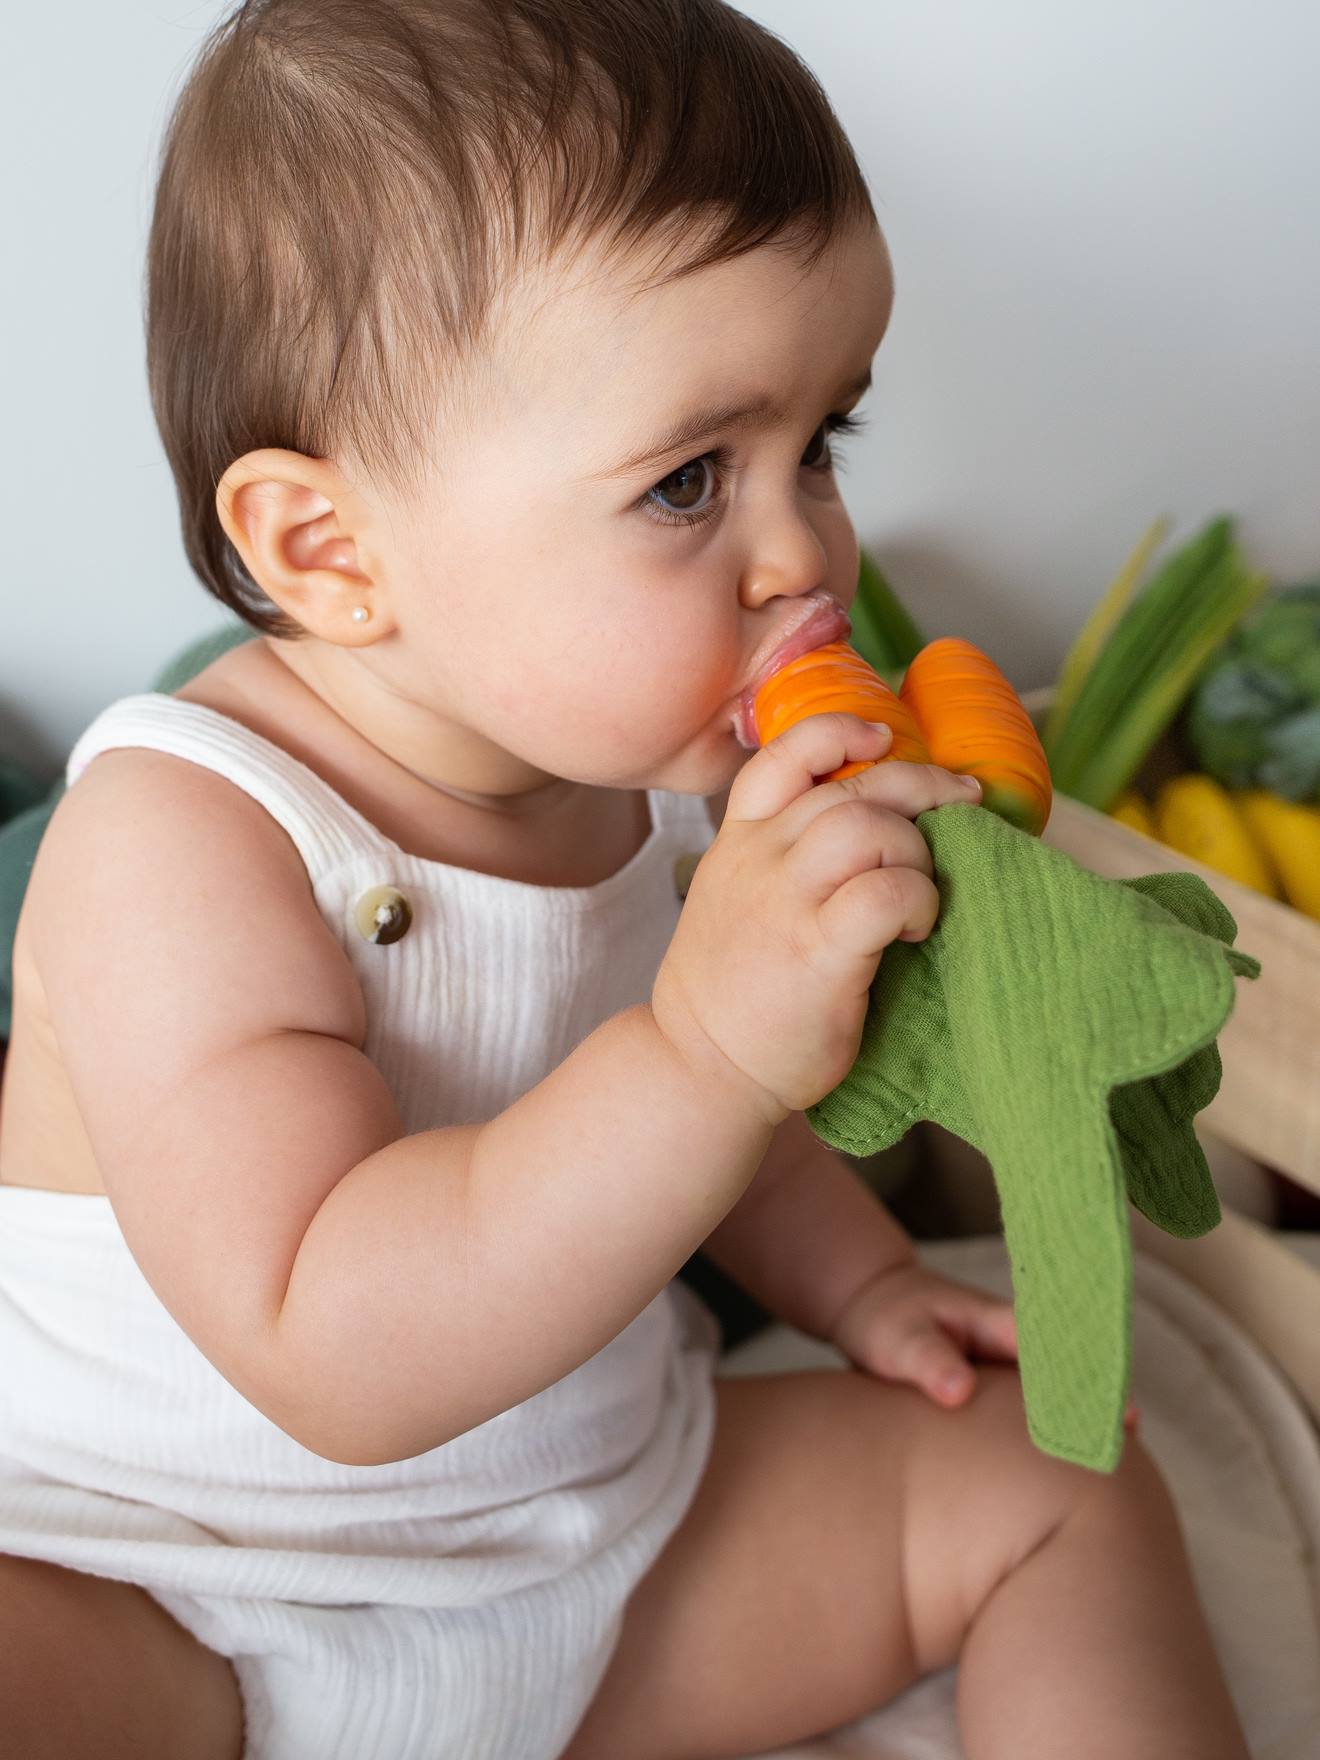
[1064,1024]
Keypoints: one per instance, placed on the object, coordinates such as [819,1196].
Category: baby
[371,1077]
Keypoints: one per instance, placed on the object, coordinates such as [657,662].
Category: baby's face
[596,618]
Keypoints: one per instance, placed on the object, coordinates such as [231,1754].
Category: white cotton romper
[461,1605]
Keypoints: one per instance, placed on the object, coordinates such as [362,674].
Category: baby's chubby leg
[849,1536]
[95,1669]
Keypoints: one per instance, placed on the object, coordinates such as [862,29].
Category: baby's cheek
[614,680]
[685,686]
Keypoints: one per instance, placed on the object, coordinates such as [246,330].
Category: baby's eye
[817,458]
[680,492]
[833,427]
[677,499]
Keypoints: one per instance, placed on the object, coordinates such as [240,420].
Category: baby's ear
[297,524]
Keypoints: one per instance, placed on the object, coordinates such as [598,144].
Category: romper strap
[325,830]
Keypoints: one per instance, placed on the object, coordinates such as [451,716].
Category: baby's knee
[1034,1491]
[985,1497]
[1040,1486]
[1037,1492]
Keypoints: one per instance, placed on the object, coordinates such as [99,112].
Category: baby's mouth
[829,622]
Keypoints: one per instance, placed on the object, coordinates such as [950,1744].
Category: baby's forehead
[596,355]
[605,308]
[579,289]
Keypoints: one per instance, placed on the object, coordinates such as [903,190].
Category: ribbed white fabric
[461,1605]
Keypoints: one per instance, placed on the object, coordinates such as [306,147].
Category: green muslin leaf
[1064,1024]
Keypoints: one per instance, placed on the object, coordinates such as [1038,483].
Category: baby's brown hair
[345,185]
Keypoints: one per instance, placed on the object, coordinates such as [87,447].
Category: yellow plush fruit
[1130,809]
[1196,816]
[1290,832]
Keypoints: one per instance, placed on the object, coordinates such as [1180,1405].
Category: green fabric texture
[21,836]
[1064,1024]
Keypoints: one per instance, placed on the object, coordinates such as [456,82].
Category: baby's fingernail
[880,726]
[955,1382]
[970,782]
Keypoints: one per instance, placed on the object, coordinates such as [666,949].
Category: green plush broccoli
[1254,719]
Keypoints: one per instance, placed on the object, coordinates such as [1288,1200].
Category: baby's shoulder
[156,864]
[157,813]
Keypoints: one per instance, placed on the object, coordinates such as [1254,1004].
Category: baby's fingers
[989,1330]
[877,907]
[932,1362]
[902,786]
[850,838]
[785,769]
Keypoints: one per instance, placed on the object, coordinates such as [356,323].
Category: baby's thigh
[843,1537]
[97,1668]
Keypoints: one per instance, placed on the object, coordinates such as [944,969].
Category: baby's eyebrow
[760,412]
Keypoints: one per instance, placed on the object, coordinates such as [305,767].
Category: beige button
[684,868]
[382,915]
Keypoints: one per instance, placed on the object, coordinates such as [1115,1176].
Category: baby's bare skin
[849,1537]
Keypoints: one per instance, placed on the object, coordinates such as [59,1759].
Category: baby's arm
[808,1233]
[374,1293]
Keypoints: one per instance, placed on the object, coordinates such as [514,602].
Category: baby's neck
[440,753]
[574,835]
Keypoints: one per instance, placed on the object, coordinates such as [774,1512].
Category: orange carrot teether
[955,709]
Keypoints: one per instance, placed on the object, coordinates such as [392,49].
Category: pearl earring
[360,614]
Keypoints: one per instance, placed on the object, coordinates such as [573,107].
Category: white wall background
[1105,225]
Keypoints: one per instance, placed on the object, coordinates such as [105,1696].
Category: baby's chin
[707,765]
[704,766]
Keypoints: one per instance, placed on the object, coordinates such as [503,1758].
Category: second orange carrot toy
[955,709]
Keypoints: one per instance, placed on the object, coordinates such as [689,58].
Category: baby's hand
[767,978]
[910,1324]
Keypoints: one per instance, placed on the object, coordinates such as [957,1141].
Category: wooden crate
[1268,1104]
